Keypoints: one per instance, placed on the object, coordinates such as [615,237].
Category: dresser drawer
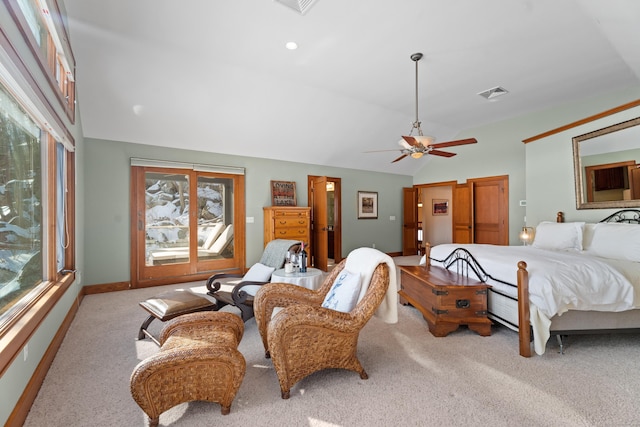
[291,214]
[292,233]
[286,222]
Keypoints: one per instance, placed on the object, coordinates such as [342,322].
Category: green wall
[540,172]
[550,175]
[106,201]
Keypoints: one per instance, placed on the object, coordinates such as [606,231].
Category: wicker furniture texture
[198,360]
[231,289]
[304,337]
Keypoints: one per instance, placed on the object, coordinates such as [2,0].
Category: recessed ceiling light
[291,45]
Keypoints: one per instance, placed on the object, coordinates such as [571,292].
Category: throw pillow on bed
[559,236]
[615,241]
[344,292]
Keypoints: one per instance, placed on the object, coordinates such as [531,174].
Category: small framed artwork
[440,206]
[283,193]
[367,205]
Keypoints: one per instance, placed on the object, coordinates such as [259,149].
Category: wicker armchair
[305,337]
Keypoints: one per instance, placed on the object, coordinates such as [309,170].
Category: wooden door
[171,241]
[490,198]
[320,229]
[410,221]
[462,213]
[634,182]
[317,198]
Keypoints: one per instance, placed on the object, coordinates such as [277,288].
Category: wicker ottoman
[170,304]
[198,360]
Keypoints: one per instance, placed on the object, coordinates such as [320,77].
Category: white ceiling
[214,75]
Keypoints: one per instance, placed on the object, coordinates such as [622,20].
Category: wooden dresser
[288,222]
[446,299]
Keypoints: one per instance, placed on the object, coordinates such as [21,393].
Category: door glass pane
[166,218]
[215,218]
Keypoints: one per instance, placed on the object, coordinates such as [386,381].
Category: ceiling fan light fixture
[416,146]
[425,140]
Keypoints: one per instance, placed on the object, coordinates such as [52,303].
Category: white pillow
[343,294]
[560,236]
[258,273]
[587,235]
[615,241]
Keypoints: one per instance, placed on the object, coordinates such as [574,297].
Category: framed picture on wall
[440,206]
[283,193]
[367,205]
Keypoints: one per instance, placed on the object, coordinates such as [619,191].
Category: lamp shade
[425,139]
[526,235]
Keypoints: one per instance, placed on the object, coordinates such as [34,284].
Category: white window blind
[232,170]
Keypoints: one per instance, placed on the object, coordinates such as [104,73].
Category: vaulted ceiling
[214,75]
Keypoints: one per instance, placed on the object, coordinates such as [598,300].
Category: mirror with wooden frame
[607,167]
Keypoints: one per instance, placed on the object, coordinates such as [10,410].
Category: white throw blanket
[365,261]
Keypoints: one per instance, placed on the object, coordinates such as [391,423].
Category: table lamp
[526,235]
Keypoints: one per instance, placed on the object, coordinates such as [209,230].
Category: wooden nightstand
[446,299]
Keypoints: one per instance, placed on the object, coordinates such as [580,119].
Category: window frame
[64,88]
[23,319]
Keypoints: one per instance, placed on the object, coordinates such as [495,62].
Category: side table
[312,279]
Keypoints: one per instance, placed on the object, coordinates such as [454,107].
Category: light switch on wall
[392,218]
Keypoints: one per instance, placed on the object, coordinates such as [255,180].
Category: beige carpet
[414,379]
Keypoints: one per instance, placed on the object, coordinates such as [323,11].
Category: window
[42,28]
[21,263]
[36,166]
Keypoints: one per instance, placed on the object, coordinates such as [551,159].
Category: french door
[186,224]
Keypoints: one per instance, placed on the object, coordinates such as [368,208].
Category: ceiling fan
[420,144]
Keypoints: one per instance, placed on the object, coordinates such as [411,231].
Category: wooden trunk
[446,299]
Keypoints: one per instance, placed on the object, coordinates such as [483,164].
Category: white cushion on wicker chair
[344,292]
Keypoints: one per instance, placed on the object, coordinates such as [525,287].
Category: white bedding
[558,280]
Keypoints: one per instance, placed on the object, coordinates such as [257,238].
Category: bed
[574,278]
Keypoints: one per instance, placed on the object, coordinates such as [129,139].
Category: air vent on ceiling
[300,6]
[493,92]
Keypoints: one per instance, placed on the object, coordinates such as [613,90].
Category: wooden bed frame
[573,321]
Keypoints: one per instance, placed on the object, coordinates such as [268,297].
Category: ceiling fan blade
[400,158]
[380,151]
[411,140]
[442,153]
[454,143]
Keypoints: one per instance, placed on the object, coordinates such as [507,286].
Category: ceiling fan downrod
[416,125]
